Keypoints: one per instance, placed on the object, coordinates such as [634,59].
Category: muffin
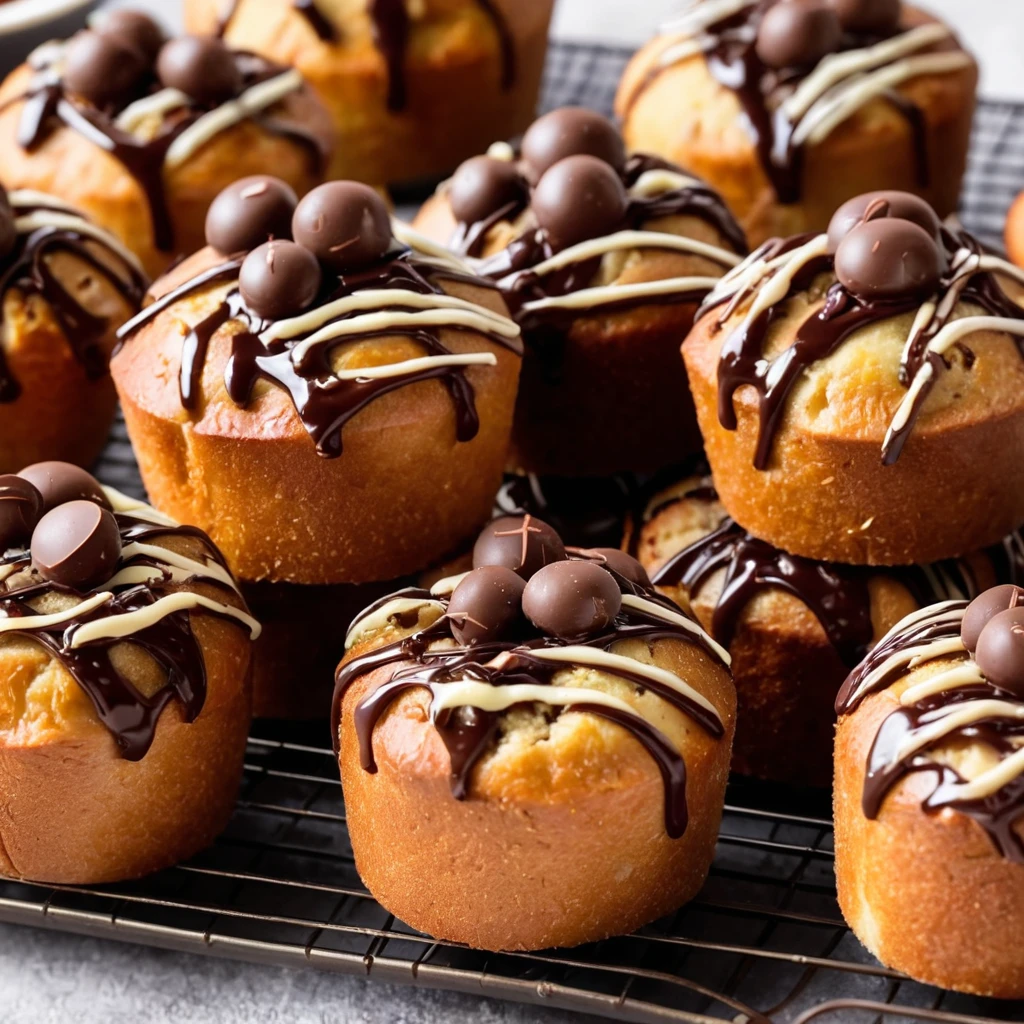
[929,799]
[794,627]
[330,409]
[412,88]
[141,133]
[124,652]
[603,259]
[791,109]
[546,711]
[65,286]
[869,379]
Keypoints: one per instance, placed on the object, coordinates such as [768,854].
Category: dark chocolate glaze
[323,402]
[318,21]
[469,734]
[129,715]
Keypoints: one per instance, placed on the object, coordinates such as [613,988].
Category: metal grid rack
[763,942]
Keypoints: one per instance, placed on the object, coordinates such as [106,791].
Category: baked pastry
[333,409]
[604,260]
[869,379]
[547,712]
[413,88]
[141,133]
[124,655]
[929,800]
[794,627]
[791,109]
[65,286]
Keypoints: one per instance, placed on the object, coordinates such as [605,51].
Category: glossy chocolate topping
[570,131]
[250,212]
[279,279]
[580,611]
[877,16]
[345,224]
[60,482]
[797,34]
[136,29]
[201,67]
[103,69]
[889,259]
[523,544]
[21,507]
[76,545]
[984,608]
[487,605]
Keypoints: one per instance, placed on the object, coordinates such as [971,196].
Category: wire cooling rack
[764,941]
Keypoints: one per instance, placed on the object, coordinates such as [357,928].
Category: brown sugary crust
[76,813]
[403,494]
[68,165]
[456,104]
[927,894]
[683,114]
[561,841]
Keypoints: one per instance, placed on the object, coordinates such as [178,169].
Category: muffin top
[801,68]
[107,587]
[956,673]
[537,625]
[888,318]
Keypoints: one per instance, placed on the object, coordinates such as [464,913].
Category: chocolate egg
[625,565]
[876,205]
[482,186]
[520,543]
[279,279]
[59,482]
[797,33]
[1000,651]
[984,607]
[889,259]
[135,29]
[571,131]
[103,69]
[346,225]
[201,67]
[486,605]
[76,545]
[579,198]
[572,600]
[21,507]
[873,16]
[250,212]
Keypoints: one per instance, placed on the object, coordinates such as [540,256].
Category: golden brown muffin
[789,148]
[548,714]
[794,627]
[124,683]
[142,140]
[889,432]
[603,260]
[412,88]
[325,422]
[928,799]
[65,287]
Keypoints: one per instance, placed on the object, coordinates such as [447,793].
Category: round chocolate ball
[59,482]
[520,543]
[250,212]
[346,225]
[797,33]
[571,131]
[986,606]
[625,565]
[135,29]
[279,279]
[21,507]
[877,205]
[76,545]
[201,67]
[873,16]
[487,605]
[889,259]
[579,198]
[481,186]
[572,600]
[103,69]
[1000,651]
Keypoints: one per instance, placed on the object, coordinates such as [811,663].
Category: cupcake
[124,652]
[546,711]
[790,109]
[869,380]
[141,133]
[929,799]
[794,627]
[413,88]
[65,286]
[603,259]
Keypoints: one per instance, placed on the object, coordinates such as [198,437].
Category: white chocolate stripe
[446,586]
[990,782]
[139,509]
[700,16]
[501,151]
[677,619]
[157,105]
[778,287]
[659,180]
[380,617]
[965,674]
[70,222]
[467,694]
[938,649]
[10,624]
[252,101]
[588,298]
[28,197]
[682,50]
[212,570]
[957,716]
[409,236]
[415,365]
